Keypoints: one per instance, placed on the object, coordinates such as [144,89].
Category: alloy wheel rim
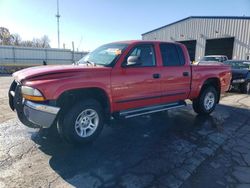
[86,123]
[209,100]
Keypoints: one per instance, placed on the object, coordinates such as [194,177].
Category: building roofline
[200,17]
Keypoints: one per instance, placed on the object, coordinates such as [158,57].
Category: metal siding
[247,39]
[192,28]
[236,44]
[35,56]
[241,49]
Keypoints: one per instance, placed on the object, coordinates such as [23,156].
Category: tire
[245,88]
[206,102]
[51,130]
[82,123]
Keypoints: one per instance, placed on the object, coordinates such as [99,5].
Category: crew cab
[117,80]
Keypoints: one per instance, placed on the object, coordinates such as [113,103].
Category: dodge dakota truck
[117,80]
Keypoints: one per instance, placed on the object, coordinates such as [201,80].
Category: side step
[151,109]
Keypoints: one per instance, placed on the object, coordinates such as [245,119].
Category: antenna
[80,42]
[58,30]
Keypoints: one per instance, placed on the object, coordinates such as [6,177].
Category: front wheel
[82,123]
[206,102]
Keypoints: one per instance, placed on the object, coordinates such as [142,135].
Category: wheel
[82,123]
[245,88]
[206,102]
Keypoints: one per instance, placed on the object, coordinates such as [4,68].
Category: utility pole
[73,52]
[58,29]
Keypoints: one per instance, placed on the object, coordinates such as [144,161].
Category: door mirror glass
[133,61]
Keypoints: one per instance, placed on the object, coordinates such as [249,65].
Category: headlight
[32,94]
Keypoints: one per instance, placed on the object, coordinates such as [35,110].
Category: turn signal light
[34,98]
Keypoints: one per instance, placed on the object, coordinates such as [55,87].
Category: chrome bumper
[40,114]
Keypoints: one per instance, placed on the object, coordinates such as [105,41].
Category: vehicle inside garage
[221,46]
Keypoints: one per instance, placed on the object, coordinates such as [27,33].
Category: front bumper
[31,114]
[40,114]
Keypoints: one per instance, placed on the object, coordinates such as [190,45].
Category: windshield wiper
[90,62]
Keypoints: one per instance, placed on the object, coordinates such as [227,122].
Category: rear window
[172,55]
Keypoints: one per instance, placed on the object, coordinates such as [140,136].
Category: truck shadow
[150,144]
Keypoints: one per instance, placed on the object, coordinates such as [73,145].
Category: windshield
[238,65]
[219,59]
[104,55]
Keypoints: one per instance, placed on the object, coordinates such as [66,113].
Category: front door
[138,85]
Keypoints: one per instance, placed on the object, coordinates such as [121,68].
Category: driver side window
[146,55]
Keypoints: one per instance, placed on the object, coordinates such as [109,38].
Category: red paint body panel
[130,87]
[201,73]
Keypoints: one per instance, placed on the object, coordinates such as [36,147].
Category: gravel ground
[172,149]
[5,111]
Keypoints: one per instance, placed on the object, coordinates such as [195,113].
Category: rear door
[176,73]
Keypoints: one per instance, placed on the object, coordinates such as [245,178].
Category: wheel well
[215,82]
[70,97]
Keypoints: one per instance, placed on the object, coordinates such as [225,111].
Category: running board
[151,109]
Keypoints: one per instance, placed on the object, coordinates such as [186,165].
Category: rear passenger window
[172,55]
[181,56]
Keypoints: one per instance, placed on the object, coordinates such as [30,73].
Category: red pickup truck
[117,80]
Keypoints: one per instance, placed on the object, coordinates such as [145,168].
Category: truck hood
[50,69]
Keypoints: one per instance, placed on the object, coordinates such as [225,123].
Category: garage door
[222,46]
[191,45]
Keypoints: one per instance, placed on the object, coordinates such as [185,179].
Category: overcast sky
[95,22]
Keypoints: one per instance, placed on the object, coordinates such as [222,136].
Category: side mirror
[132,61]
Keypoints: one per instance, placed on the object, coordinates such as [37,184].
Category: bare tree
[5,36]
[45,41]
[27,43]
[16,39]
[42,42]
[37,43]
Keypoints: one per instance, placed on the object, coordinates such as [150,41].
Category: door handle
[156,76]
[185,74]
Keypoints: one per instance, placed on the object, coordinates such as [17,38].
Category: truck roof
[142,41]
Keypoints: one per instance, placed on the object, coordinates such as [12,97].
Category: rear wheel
[82,123]
[206,102]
